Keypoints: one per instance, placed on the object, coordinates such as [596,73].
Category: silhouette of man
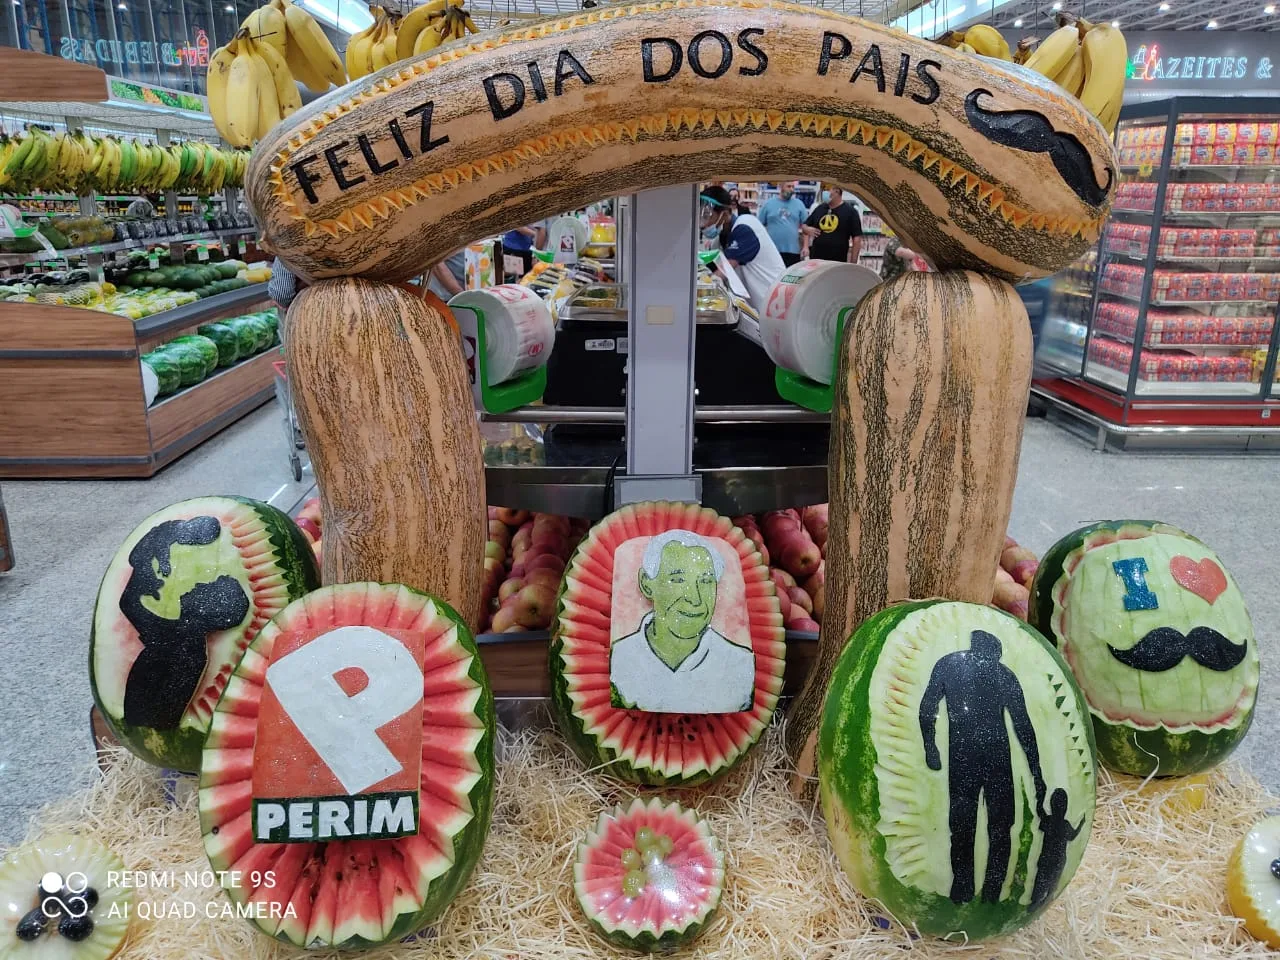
[979,690]
[167,671]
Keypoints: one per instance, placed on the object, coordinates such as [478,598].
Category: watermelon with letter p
[347,777]
[955,766]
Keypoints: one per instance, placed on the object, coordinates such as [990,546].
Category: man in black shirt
[834,230]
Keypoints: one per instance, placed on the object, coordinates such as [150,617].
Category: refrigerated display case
[1201,177]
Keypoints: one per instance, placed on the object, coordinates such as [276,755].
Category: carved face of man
[190,565]
[684,591]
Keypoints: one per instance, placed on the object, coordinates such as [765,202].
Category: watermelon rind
[722,739]
[207,349]
[167,372]
[295,574]
[857,782]
[1126,745]
[663,935]
[217,790]
[226,340]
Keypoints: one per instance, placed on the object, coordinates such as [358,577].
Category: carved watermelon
[673,686]
[351,893]
[180,601]
[649,877]
[955,766]
[1156,632]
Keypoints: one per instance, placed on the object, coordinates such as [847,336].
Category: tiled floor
[65,533]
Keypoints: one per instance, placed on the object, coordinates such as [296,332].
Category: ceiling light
[1018,22]
[122,5]
[1057,5]
[1164,8]
[229,8]
[1269,8]
[1212,25]
[1116,24]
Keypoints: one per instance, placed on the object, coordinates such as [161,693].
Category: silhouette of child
[1057,832]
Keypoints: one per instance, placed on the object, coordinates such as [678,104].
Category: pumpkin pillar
[925,435]
[384,402]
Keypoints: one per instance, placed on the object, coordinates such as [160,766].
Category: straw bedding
[1150,887]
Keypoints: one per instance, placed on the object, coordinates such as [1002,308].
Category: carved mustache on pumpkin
[1029,131]
[1164,647]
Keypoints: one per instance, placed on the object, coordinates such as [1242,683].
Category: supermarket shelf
[22,259]
[580,491]
[1176,435]
[1187,303]
[1118,380]
[1219,167]
[1185,346]
[1142,257]
[159,325]
[1175,216]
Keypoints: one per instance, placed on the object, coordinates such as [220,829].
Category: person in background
[520,243]
[834,230]
[783,216]
[447,277]
[898,259]
[744,241]
[738,205]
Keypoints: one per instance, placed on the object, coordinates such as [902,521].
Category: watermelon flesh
[649,891]
[358,893]
[233,564]
[649,747]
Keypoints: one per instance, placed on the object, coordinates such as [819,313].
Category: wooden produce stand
[71,389]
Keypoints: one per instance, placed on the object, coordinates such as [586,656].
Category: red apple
[804,625]
[509,589]
[534,606]
[783,580]
[510,515]
[545,561]
[517,570]
[493,551]
[503,619]
[500,532]
[799,598]
[318,549]
[309,528]
[544,576]
[800,556]
[550,541]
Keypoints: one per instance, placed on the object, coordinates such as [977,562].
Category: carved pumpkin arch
[977,163]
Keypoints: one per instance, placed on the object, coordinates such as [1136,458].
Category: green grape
[633,883]
[631,859]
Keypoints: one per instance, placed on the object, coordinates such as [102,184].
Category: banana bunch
[1088,60]
[84,164]
[981,38]
[426,27]
[250,89]
[375,46]
[253,80]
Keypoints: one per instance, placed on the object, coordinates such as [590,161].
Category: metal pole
[661,253]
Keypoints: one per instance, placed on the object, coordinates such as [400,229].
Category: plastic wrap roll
[798,326]
[519,331]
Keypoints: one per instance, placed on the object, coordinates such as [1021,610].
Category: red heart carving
[1205,579]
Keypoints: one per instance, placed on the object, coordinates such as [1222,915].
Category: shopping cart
[292,432]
